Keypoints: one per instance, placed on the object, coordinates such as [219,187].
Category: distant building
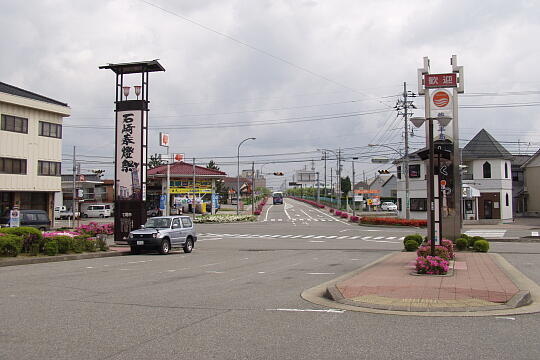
[30,149]
[530,196]
[386,184]
[260,180]
[486,178]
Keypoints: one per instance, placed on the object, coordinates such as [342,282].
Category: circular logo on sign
[441,99]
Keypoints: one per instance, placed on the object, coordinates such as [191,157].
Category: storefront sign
[14,218]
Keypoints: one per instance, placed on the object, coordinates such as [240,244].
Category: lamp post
[443,121]
[338,172]
[238,177]
[353,182]
[406,172]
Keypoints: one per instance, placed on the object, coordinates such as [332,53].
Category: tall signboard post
[441,102]
[131,141]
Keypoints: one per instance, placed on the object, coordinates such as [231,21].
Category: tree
[155,161]
[212,165]
[345,185]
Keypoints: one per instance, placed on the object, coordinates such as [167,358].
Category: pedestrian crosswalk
[382,239]
[487,233]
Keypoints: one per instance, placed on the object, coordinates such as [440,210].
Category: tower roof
[484,146]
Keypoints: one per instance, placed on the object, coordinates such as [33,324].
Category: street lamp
[238,177]
[353,182]
[338,172]
[443,121]
[406,172]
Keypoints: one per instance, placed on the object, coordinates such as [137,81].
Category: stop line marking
[331,311]
[379,239]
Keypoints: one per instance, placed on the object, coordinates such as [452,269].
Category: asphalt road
[237,296]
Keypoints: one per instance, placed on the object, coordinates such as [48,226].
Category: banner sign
[129,155]
[440,80]
[14,218]
[163,139]
[366,191]
[186,187]
[178,157]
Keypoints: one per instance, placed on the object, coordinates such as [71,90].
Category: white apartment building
[30,149]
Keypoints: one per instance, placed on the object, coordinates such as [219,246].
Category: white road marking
[211,239]
[489,233]
[210,264]
[534,233]
[285,236]
[296,236]
[342,237]
[280,220]
[319,237]
[267,210]
[332,311]
[505,318]
[391,237]
[331,237]
[321,273]
[89,267]
[307,236]
[261,272]
[317,241]
[378,237]
[344,230]
[355,237]
[214,272]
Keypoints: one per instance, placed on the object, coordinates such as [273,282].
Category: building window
[418,204]
[507,200]
[486,168]
[414,171]
[399,172]
[12,166]
[469,206]
[506,170]
[399,202]
[48,168]
[15,124]
[50,129]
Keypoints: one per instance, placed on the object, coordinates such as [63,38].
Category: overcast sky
[305,74]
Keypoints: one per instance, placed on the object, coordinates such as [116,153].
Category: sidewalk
[477,283]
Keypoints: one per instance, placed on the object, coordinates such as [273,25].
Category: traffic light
[383,171]
[279,173]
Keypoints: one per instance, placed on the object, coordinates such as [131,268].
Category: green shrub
[101,244]
[34,249]
[416,237]
[90,244]
[65,243]
[10,245]
[464,236]
[78,244]
[462,244]
[411,245]
[473,239]
[28,236]
[51,248]
[481,246]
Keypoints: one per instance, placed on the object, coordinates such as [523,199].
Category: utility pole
[338,183]
[74,189]
[353,180]
[331,185]
[194,205]
[318,189]
[253,188]
[325,192]
[405,105]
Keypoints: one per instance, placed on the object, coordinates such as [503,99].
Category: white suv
[388,206]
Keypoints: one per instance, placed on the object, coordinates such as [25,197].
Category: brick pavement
[476,281]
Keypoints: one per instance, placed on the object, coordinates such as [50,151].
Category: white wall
[31,147]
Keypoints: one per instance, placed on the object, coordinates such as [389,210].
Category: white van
[101,211]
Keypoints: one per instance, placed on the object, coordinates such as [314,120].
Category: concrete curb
[526,301]
[40,260]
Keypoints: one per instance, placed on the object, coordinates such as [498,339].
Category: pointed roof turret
[484,146]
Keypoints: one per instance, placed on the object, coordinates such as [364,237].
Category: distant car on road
[277,198]
[388,206]
[164,233]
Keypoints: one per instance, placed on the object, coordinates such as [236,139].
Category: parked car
[388,206]
[164,233]
[38,219]
[277,198]
[100,210]
[60,212]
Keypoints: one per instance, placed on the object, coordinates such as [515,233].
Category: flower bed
[392,221]
[224,218]
[440,251]
[354,219]
[432,265]
[344,215]
[94,229]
